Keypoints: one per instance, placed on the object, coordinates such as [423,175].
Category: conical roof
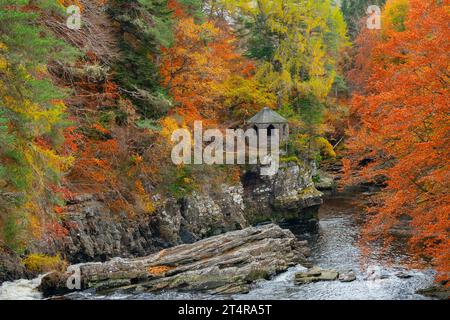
[267,115]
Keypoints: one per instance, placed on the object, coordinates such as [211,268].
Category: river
[334,245]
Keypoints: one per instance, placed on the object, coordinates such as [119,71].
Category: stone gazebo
[269,119]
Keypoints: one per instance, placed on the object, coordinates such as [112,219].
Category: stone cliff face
[290,194]
[10,266]
[97,234]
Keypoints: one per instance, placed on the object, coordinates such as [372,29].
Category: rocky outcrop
[212,213]
[222,264]
[97,234]
[348,276]
[289,194]
[11,267]
[325,181]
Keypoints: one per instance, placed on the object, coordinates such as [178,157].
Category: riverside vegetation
[86,118]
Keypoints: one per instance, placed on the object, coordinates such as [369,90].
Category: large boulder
[227,263]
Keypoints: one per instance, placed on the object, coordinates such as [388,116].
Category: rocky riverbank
[223,264]
[96,233]
[11,267]
[334,250]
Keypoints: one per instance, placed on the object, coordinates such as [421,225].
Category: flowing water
[335,245]
[21,290]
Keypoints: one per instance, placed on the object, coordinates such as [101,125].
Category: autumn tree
[400,129]
[145,26]
[297,43]
[297,47]
[205,74]
[31,119]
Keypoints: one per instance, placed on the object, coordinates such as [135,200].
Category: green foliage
[149,124]
[261,42]
[310,110]
[298,45]
[316,178]
[182,184]
[354,12]
[13,229]
[145,26]
[340,87]
[31,114]
[291,158]
[307,134]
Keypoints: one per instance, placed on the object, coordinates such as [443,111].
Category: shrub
[40,263]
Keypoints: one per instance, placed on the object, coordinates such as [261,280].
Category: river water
[334,245]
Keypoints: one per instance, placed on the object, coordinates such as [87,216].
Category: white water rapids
[21,290]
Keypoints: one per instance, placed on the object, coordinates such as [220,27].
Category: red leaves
[56,230]
[402,115]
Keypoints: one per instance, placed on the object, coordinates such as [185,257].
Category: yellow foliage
[146,204]
[394,15]
[143,198]
[35,227]
[56,162]
[3,64]
[38,262]
[149,207]
[325,147]
[245,96]
[169,125]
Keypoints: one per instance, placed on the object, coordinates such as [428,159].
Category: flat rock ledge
[317,274]
[223,264]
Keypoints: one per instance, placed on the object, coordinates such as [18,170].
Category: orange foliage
[79,3]
[202,58]
[56,230]
[67,3]
[159,271]
[401,123]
